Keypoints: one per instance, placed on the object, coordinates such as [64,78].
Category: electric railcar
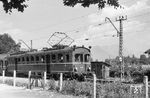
[69,60]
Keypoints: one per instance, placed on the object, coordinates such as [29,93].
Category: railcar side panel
[61,67]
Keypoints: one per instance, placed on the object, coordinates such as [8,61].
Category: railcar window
[43,58]
[27,58]
[53,58]
[32,58]
[86,57]
[60,58]
[6,63]
[18,59]
[23,59]
[79,57]
[2,63]
[37,58]
[67,57]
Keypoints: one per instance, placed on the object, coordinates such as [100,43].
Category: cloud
[106,29]
[5,25]
[15,33]
[136,29]
[112,13]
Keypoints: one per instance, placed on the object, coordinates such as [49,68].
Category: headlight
[89,69]
[75,69]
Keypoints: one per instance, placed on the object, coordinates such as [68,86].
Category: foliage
[104,90]
[86,3]
[51,84]
[7,44]
[18,83]
[9,81]
[8,5]
[131,64]
[143,59]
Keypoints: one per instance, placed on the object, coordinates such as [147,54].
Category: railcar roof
[47,51]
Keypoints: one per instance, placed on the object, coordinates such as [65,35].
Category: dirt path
[19,92]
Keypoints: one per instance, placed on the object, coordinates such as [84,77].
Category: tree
[143,59]
[86,3]
[8,5]
[6,43]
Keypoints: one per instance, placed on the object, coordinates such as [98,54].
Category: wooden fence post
[14,78]
[61,81]
[45,77]
[29,78]
[146,86]
[3,76]
[94,94]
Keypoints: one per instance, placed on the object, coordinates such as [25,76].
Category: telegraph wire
[77,30]
[100,24]
[66,21]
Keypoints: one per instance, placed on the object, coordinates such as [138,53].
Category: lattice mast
[121,19]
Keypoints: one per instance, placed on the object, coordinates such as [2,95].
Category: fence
[31,79]
[100,88]
[121,90]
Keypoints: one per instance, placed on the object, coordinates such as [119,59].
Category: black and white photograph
[74,48]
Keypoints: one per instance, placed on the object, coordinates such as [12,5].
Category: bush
[105,90]
[69,87]
[52,85]
[77,88]
[84,88]
[73,87]
[9,81]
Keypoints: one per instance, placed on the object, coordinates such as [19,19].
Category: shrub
[84,88]
[104,90]
[21,84]
[52,85]
[69,87]
[9,81]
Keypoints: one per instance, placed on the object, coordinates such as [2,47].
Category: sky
[44,17]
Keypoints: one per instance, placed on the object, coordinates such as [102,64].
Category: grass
[104,90]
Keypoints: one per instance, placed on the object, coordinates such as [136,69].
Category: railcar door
[48,63]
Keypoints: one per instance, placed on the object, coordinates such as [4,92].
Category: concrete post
[61,81]
[45,77]
[94,93]
[3,76]
[29,78]
[146,86]
[14,78]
